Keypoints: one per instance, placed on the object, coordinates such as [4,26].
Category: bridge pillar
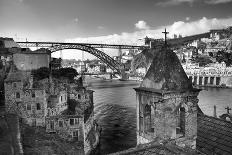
[124,75]
[120,54]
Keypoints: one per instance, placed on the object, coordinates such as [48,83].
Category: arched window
[180,130]
[17,95]
[79,96]
[147,118]
[38,106]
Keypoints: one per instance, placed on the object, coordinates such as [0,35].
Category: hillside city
[47,106]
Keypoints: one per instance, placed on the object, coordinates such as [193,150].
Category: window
[38,107]
[75,133]
[33,94]
[79,96]
[28,107]
[76,120]
[181,121]
[61,98]
[60,123]
[71,121]
[17,95]
[14,85]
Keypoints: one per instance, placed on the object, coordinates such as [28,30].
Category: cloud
[178,2]
[141,25]
[20,1]
[187,18]
[217,1]
[101,27]
[174,2]
[184,28]
[76,20]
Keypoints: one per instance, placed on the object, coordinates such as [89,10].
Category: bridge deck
[52,44]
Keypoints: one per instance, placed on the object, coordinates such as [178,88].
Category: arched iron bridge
[90,48]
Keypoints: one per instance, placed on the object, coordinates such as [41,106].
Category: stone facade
[166,102]
[69,127]
[57,103]
[28,103]
[85,107]
[27,60]
[166,115]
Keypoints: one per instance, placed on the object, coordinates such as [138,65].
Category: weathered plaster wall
[28,61]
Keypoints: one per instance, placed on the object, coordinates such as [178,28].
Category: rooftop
[166,73]
[156,149]
[214,135]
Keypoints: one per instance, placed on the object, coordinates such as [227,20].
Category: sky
[109,21]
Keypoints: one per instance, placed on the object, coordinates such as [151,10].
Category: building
[77,122]
[22,99]
[26,60]
[167,103]
[215,74]
[43,103]
[69,127]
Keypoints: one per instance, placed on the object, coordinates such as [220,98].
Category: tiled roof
[156,149]
[214,135]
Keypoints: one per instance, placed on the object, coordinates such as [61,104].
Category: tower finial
[165,38]
[228,109]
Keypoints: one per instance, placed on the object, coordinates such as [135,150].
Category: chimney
[214,111]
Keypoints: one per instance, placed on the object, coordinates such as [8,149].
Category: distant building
[8,43]
[215,74]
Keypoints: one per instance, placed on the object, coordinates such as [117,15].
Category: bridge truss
[90,48]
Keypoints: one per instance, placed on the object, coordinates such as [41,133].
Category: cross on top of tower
[165,34]
[228,109]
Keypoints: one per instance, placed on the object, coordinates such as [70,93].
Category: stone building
[76,123]
[25,59]
[166,102]
[69,127]
[21,98]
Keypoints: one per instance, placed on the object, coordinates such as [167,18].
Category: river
[115,110]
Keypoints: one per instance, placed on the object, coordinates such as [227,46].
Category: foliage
[224,56]
[202,60]
[41,73]
[68,72]
[44,72]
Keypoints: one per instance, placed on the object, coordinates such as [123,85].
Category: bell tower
[166,101]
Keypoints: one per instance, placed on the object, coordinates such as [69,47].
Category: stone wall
[32,108]
[167,120]
[66,130]
[30,61]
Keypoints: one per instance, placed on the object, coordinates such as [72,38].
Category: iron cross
[228,109]
[165,34]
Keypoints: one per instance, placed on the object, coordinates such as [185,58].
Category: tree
[203,60]
[68,72]
[41,73]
